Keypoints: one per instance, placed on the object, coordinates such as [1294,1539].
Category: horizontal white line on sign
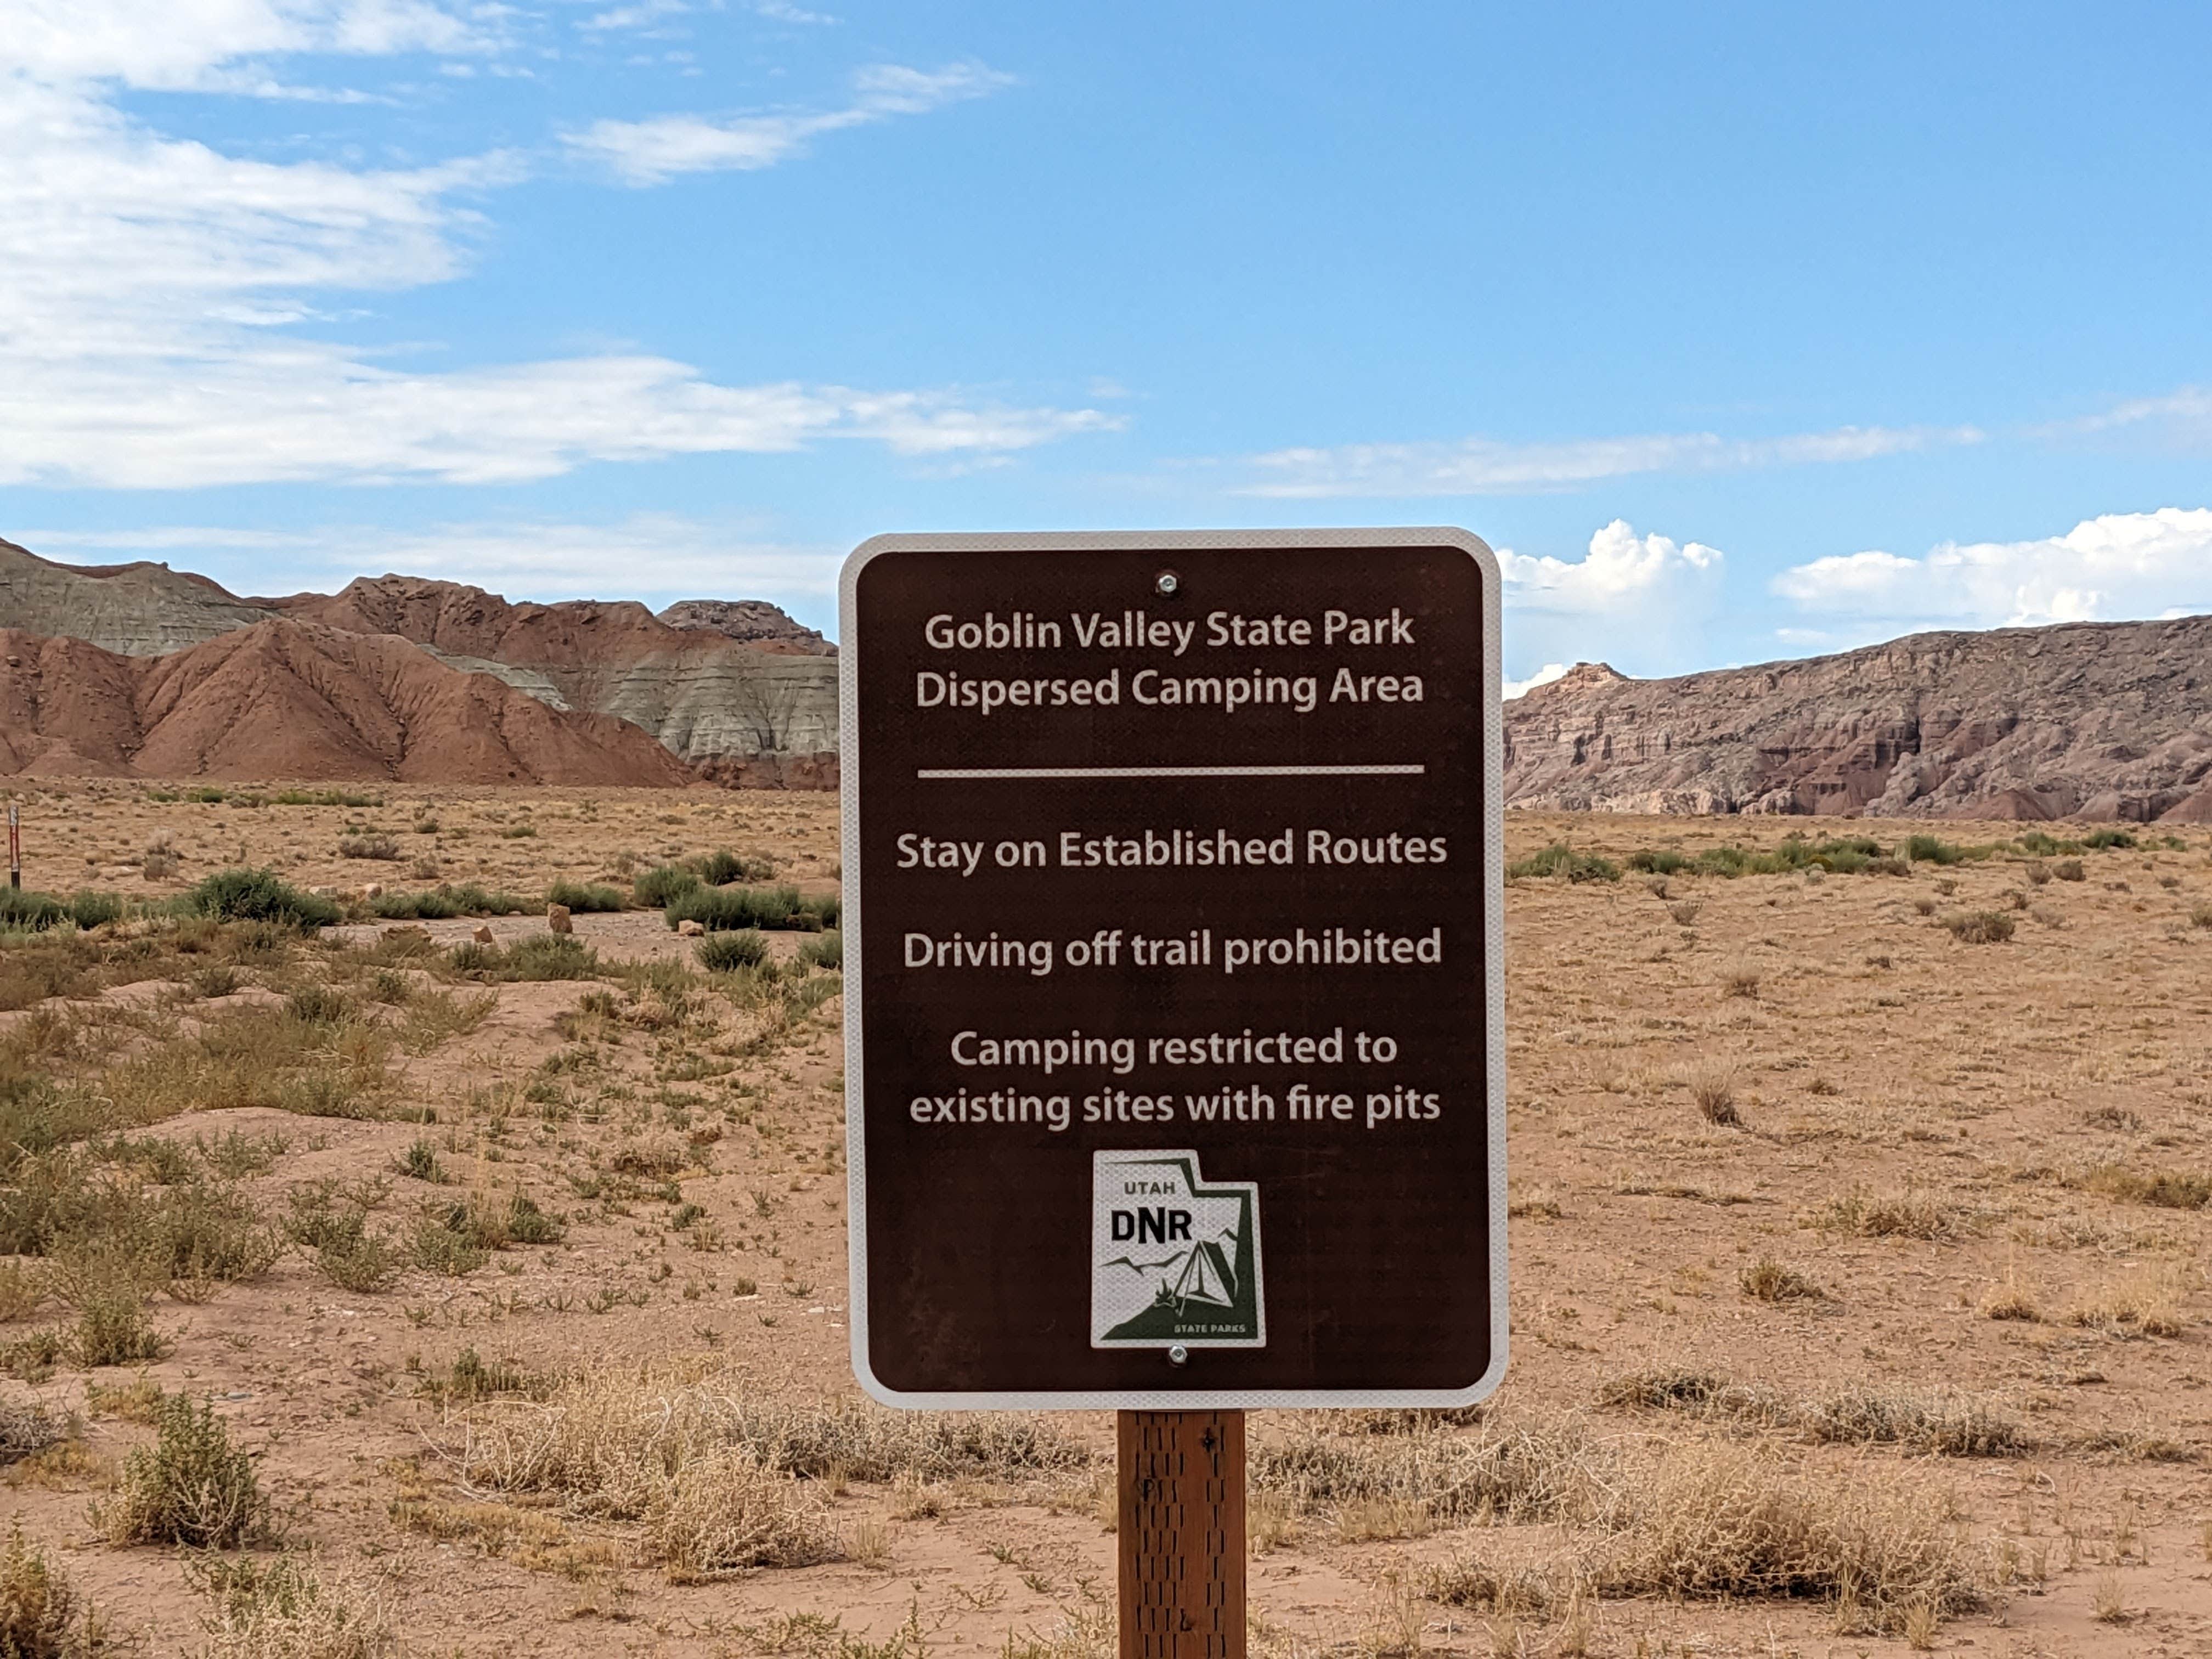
[950,773]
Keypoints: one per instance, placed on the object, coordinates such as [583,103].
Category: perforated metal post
[1181,1534]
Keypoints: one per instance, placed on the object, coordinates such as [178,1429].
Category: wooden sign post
[14,845]
[1174,1002]
[1181,1532]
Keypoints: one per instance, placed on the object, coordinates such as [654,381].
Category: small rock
[689,929]
[375,890]
[557,917]
[485,936]
[407,930]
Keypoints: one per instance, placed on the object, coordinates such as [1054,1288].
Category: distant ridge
[758,711]
[289,700]
[2099,720]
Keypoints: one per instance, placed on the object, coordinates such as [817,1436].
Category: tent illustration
[1216,1296]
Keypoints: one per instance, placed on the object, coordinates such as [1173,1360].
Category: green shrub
[27,911]
[259,896]
[445,901]
[728,909]
[111,1328]
[551,956]
[827,951]
[364,1264]
[420,1162]
[1658,861]
[1932,850]
[539,957]
[90,910]
[1561,860]
[724,953]
[192,1486]
[317,1004]
[2099,840]
[2070,870]
[663,883]
[528,1225]
[722,867]
[583,895]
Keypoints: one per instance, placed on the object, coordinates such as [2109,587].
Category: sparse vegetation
[284,1609]
[445,901]
[730,909]
[192,1486]
[723,953]
[583,895]
[1908,1214]
[1979,927]
[41,1615]
[1561,860]
[1768,1281]
[260,895]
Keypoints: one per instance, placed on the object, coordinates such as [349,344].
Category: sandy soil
[1864,1050]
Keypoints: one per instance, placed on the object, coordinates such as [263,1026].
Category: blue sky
[1741,331]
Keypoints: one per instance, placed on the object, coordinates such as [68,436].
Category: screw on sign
[1175,999]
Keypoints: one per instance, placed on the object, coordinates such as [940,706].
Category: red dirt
[286,699]
[471,623]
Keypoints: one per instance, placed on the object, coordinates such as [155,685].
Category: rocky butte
[734,688]
[2101,721]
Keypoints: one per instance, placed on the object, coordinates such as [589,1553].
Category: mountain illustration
[1143,1267]
[1216,1292]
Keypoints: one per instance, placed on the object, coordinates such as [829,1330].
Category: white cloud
[652,152]
[1642,603]
[1622,570]
[2123,565]
[2188,410]
[158,297]
[1483,466]
[634,16]
[201,44]
[1544,675]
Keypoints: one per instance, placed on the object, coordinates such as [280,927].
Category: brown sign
[1174,1016]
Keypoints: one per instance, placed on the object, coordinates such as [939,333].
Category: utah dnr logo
[1174,1260]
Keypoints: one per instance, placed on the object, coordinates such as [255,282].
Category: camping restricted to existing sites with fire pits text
[1174,1059]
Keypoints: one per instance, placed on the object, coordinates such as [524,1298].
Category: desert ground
[491,1297]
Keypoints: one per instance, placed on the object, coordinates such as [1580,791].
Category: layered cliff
[739,682]
[2108,721]
[284,699]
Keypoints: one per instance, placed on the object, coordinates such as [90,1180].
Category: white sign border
[849,647]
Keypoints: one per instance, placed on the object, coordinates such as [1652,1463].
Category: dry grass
[1541,1472]
[1713,1088]
[1741,980]
[722,1481]
[726,1514]
[41,1616]
[2146,1302]
[285,1609]
[1979,927]
[1720,1522]
[2166,1189]
[1940,1423]
[1768,1281]
[1907,1214]
[26,1428]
